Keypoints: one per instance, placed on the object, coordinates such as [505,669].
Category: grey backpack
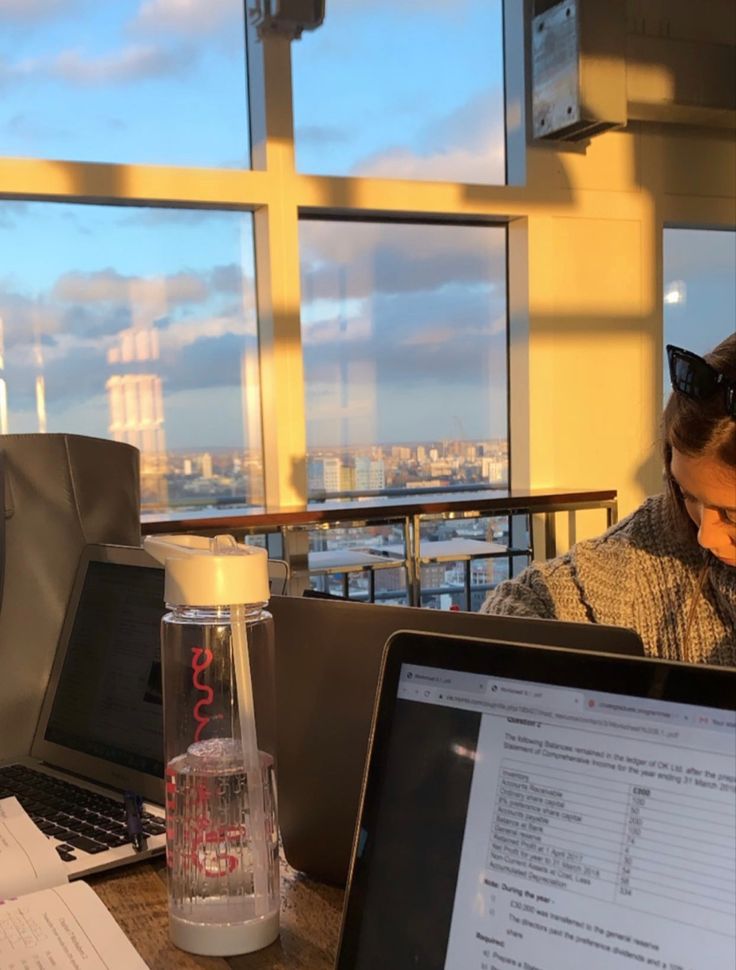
[61,492]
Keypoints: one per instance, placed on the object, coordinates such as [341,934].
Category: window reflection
[137,325]
[404,339]
[699,289]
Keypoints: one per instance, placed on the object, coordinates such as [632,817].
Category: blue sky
[700,273]
[158,81]
[163,82]
[397,88]
[705,261]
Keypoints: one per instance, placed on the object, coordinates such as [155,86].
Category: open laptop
[328,655]
[100,728]
[535,807]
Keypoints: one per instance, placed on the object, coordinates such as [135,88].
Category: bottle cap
[210,572]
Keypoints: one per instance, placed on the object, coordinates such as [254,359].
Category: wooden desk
[310,920]
[405,505]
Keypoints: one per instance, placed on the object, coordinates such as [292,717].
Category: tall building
[135,402]
[494,469]
[370,475]
[324,474]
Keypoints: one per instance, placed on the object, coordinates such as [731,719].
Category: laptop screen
[107,702]
[516,823]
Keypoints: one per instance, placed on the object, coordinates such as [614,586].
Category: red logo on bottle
[201,659]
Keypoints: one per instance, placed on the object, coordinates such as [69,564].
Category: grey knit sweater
[642,573]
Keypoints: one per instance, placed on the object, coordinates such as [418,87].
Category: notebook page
[28,860]
[66,928]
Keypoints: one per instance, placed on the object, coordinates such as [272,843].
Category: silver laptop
[535,807]
[328,655]
[99,732]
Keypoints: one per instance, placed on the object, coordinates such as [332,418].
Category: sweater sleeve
[527,595]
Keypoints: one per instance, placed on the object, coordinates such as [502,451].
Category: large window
[138,325]
[404,337]
[402,90]
[158,82]
[699,288]
[261,335]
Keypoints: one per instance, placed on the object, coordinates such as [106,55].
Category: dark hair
[701,429]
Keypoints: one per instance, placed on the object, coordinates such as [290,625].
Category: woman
[668,570]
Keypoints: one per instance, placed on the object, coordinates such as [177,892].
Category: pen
[133,821]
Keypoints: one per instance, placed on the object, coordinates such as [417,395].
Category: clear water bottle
[219,732]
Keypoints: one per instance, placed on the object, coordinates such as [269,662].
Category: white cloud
[184,333]
[25,320]
[328,245]
[344,261]
[107,286]
[187,16]
[465,145]
[484,166]
[133,63]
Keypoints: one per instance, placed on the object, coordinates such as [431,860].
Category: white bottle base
[224,939]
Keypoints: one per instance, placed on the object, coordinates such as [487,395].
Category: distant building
[347,478]
[323,474]
[401,453]
[391,581]
[370,475]
[442,469]
[206,465]
[494,469]
[135,399]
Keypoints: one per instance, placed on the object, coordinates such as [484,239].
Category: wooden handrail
[483,501]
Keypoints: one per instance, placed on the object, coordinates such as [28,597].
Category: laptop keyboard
[80,819]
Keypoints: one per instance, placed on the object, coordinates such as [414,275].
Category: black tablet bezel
[700,685]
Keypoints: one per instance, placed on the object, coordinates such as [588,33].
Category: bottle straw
[251,757]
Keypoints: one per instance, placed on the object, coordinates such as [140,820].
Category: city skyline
[197,478]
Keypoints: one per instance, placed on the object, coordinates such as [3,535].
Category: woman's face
[708,489]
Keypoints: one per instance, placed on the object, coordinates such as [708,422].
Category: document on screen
[598,837]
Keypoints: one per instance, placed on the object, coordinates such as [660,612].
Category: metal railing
[290,534]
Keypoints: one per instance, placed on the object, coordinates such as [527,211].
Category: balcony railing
[333,542]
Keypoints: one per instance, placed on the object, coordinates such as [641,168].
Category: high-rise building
[135,400]
[370,475]
[494,469]
[324,474]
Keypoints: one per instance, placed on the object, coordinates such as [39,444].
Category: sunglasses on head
[696,379]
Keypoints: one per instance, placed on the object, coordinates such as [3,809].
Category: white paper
[28,860]
[67,928]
